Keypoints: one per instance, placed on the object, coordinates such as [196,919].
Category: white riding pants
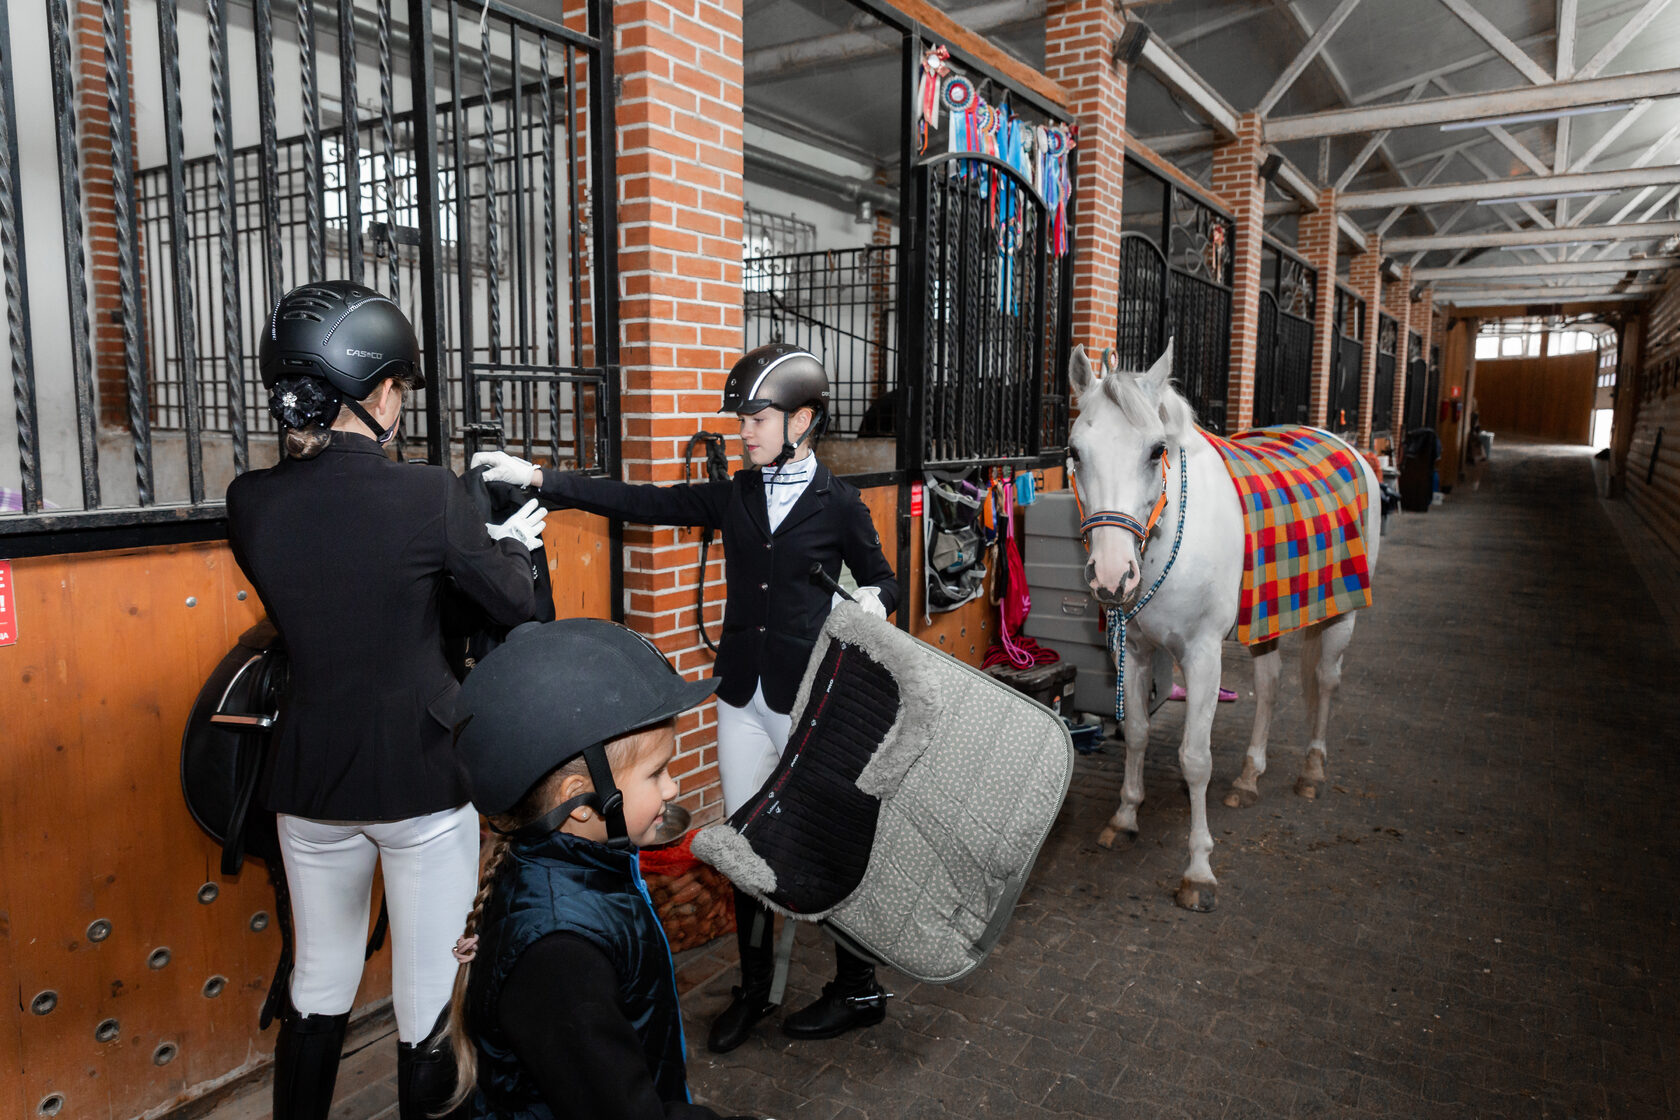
[430,867]
[750,742]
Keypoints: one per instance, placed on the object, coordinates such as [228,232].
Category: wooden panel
[112,650]
[1652,480]
[579,564]
[1547,398]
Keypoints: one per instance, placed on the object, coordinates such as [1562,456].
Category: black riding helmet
[332,343]
[556,690]
[779,375]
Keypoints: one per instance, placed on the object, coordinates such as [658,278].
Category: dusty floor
[1478,918]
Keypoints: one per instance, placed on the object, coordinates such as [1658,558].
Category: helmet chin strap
[383,435]
[605,799]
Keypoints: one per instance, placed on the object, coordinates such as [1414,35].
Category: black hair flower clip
[299,402]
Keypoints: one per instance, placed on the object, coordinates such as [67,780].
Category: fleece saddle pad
[908,806]
[1303,499]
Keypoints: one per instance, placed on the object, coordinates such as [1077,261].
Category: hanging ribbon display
[935,68]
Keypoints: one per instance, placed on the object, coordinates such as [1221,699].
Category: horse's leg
[1321,675]
[1124,820]
[1198,890]
[1245,790]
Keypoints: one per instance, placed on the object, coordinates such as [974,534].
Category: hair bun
[303,402]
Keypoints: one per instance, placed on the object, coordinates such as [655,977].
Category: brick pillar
[1236,178]
[1365,277]
[679,222]
[1078,46]
[1317,240]
[1399,297]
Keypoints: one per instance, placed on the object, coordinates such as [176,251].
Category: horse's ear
[1159,375]
[1080,374]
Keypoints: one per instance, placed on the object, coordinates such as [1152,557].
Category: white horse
[1127,423]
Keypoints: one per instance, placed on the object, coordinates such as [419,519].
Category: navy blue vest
[563,884]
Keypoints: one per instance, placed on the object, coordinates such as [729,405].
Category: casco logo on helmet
[362,353]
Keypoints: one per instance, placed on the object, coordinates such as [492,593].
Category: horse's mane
[1148,397]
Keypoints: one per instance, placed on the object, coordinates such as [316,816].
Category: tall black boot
[851,1000]
[306,1065]
[426,1078]
[753,927]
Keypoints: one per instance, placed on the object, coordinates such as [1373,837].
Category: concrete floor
[1479,917]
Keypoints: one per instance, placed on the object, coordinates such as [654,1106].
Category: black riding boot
[851,1000]
[426,1078]
[306,1065]
[754,925]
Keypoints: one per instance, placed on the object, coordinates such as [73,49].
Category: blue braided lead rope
[1118,618]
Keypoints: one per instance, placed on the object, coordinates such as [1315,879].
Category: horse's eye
[1157,451]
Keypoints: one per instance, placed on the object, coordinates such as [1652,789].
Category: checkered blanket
[1304,499]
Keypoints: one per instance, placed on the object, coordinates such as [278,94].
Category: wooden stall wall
[1459,384]
[1652,479]
[110,653]
[1549,398]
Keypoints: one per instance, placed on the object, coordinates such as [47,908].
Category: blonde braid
[455,1030]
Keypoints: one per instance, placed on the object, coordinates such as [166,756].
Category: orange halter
[1116,519]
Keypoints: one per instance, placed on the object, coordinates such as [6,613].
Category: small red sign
[8,606]
[1458,390]
[915,499]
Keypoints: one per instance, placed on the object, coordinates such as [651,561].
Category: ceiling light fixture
[1527,118]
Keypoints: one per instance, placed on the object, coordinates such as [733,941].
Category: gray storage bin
[1064,617]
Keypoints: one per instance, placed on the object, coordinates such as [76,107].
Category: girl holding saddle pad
[779,517]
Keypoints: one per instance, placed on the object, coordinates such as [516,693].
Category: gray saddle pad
[909,805]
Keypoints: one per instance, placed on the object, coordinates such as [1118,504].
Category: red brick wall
[1365,277]
[1317,239]
[1078,41]
[680,188]
[1657,386]
[1398,298]
[99,195]
[1236,178]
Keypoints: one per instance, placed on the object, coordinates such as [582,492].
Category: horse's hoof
[1200,897]
[1241,797]
[1305,787]
[1127,836]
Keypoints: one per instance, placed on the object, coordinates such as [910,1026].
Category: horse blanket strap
[908,806]
[1304,499]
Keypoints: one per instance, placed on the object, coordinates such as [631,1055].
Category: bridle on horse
[1109,518]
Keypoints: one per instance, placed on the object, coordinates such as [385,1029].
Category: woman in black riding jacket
[349,551]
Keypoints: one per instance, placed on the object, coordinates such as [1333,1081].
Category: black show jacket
[775,610]
[349,551]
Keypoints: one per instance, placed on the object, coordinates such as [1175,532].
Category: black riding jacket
[775,610]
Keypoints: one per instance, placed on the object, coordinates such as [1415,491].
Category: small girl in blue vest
[565,1004]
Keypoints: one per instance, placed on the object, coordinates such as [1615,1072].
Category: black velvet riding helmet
[554,691]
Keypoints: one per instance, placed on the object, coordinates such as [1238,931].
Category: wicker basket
[695,904]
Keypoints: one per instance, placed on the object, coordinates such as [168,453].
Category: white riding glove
[869,598]
[504,467]
[526,526]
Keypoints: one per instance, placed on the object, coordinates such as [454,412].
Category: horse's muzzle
[1107,597]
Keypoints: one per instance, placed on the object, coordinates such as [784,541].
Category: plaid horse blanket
[1304,499]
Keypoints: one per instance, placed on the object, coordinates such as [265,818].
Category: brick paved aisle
[1478,918]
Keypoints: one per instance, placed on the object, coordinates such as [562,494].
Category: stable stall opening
[1284,346]
[1349,362]
[1175,283]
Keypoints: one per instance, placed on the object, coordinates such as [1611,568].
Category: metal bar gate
[1284,345]
[488,215]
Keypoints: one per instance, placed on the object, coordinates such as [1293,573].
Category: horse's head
[1129,422]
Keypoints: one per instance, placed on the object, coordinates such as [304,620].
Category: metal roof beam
[1538,295]
[1499,238]
[1526,187]
[1306,55]
[1497,39]
[1187,85]
[1475,106]
[1619,41]
[1561,268]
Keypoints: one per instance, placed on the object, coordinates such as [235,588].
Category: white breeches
[750,742]
[430,867]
